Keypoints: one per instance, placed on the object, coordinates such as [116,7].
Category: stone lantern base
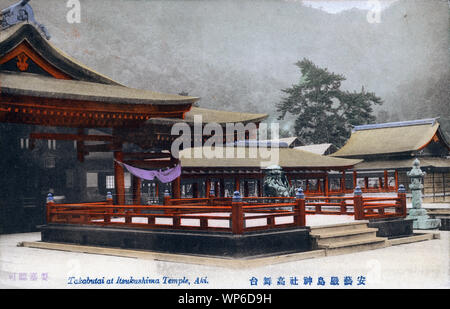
[421,220]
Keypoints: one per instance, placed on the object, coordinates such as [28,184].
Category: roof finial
[18,13]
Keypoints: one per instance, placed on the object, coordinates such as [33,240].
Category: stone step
[351,246]
[339,227]
[347,235]
[328,234]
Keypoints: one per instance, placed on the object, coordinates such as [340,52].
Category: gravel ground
[416,265]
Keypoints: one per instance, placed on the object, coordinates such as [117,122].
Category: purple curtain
[164,176]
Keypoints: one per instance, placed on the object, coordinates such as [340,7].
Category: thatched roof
[222,117]
[403,164]
[251,157]
[48,87]
[315,148]
[391,138]
[90,85]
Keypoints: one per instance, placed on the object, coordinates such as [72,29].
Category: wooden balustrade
[180,214]
[232,215]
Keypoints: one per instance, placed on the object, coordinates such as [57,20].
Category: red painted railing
[236,215]
[380,207]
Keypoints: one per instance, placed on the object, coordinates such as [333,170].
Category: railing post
[203,223]
[343,207]
[237,214]
[49,204]
[176,221]
[109,198]
[166,198]
[358,203]
[127,217]
[300,214]
[151,220]
[402,196]
[109,201]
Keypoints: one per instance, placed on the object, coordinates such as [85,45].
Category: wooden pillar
[325,185]
[156,190]
[195,191]
[80,146]
[246,188]
[343,182]
[260,187]
[136,190]
[358,205]
[217,188]
[396,180]
[237,184]
[119,178]
[300,214]
[386,181]
[176,187]
[49,210]
[237,216]
[355,179]
[222,187]
[402,197]
[207,187]
[366,183]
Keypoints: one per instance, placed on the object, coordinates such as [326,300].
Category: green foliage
[325,113]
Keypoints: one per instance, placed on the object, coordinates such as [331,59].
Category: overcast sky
[238,54]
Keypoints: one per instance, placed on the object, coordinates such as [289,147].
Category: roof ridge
[416,122]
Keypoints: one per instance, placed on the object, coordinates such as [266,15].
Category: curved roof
[405,163]
[41,86]
[10,38]
[315,148]
[91,85]
[390,138]
[252,157]
[222,117]
[210,116]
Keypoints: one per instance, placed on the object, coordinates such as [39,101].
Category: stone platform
[264,243]
[392,227]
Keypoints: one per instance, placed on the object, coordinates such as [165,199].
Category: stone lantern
[421,220]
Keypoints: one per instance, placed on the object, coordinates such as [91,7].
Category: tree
[325,113]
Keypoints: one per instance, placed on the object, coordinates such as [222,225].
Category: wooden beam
[147,155]
[72,137]
[151,164]
[100,148]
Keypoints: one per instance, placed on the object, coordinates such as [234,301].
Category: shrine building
[391,148]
